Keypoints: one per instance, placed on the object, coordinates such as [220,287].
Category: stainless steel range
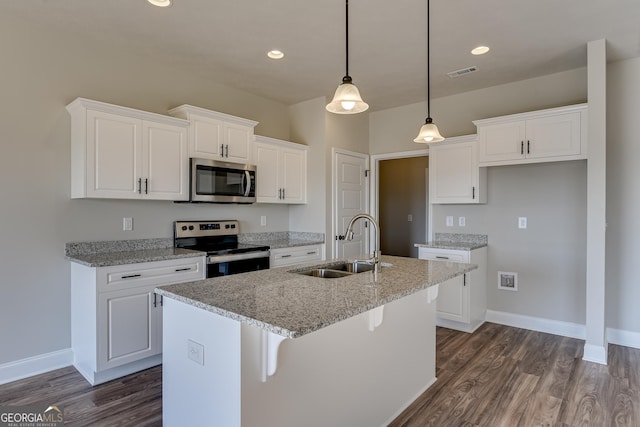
[219,239]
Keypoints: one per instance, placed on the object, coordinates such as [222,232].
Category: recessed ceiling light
[275,54]
[160,3]
[480,50]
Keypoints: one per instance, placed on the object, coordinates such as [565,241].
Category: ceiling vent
[462,72]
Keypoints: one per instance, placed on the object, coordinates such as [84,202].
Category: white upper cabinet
[454,174]
[549,135]
[217,136]
[122,153]
[281,175]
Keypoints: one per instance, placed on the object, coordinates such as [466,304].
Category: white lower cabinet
[296,255]
[462,301]
[116,318]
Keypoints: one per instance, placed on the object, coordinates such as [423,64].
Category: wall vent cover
[462,72]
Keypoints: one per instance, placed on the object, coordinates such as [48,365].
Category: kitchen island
[279,348]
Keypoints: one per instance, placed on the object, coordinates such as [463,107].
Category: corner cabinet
[122,153]
[550,135]
[462,301]
[116,318]
[281,175]
[217,136]
[454,174]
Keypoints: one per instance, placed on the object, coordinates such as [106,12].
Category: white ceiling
[229,39]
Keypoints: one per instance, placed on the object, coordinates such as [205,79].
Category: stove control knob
[184,228]
[226,226]
[191,227]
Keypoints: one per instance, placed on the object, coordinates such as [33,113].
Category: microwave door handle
[247,180]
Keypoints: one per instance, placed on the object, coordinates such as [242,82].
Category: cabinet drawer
[150,273]
[443,255]
[291,256]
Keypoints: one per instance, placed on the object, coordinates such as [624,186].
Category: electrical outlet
[449,221]
[522,222]
[127,224]
[195,352]
[462,221]
[263,220]
[410,218]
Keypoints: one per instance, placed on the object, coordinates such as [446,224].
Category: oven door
[224,265]
[222,182]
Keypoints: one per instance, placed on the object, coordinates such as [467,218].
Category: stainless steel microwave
[214,181]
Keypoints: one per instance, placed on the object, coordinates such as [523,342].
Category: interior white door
[351,198]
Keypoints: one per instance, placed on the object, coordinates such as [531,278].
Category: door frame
[334,193]
[375,183]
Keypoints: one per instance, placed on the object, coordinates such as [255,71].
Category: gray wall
[43,69]
[550,255]
[402,191]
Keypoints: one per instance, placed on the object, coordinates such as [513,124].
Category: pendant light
[347,99]
[428,132]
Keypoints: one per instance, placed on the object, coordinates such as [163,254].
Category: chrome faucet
[348,235]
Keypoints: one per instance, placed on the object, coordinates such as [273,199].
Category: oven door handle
[217,259]
[247,180]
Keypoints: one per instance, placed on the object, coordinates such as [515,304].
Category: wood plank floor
[498,376]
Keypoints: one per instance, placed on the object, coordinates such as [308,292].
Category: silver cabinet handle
[311,253]
[286,256]
[521,147]
[221,150]
[528,147]
[139,185]
[183,269]
[283,197]
[146,186]
[473,193]
[227,156]
[464,280]
[131,276]
[442,257]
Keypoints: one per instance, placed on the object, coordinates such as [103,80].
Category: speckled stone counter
[292,305]
[456,241]
[121,252]
[282,239]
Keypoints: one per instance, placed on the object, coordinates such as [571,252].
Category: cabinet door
[114,150]
[554,136]
[206,138]
[453,300]
[165,174]
[294,175]
[267,173]
[454,174]
[237,141]
[501,142]
[127,327]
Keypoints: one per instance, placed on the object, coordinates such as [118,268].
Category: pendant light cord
[428,64]
[346,14]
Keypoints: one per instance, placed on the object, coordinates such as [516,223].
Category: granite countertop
[106,259]
[456,241]
[290,243]
[292,305]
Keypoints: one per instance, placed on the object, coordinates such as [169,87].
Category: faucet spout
[348,235]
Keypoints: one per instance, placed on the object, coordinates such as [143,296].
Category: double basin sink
[336,270]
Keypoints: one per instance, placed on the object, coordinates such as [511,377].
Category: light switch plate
[522,222]
[462,221]
[410,218]
[127,224]
[263,220]
[195,352]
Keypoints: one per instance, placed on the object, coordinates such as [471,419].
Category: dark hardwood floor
[498,376]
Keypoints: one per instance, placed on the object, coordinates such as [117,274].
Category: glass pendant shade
[429,133]
[347,99]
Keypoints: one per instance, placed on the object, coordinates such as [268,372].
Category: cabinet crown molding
[531,114]
[82,103]
[183,111]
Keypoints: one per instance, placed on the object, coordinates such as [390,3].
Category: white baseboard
[556,327]
[410,401]
[35,365]
[595,353]
[625,338]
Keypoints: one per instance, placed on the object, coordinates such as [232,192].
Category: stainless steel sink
[325,273]
[336,270]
